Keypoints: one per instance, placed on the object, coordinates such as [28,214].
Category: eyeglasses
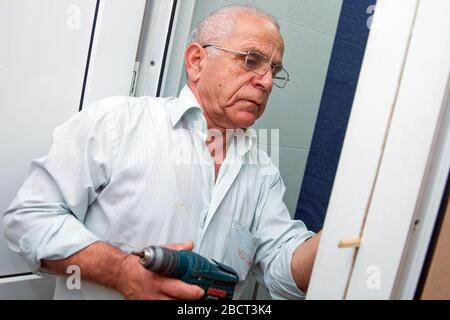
[258,63]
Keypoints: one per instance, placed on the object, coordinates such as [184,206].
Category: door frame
[113,49]
[157,28]
[387,175]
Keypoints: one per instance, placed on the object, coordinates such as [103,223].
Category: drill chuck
[160,260]
[218,280]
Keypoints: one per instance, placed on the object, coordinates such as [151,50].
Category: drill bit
[140,254]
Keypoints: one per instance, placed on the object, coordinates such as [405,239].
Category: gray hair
[220,23]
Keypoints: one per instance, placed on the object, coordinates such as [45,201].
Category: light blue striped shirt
[135,172]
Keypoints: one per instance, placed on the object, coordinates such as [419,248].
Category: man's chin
[245,120]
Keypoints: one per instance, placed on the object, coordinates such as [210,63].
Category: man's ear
[194,56]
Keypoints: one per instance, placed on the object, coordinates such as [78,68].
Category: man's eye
[253,61]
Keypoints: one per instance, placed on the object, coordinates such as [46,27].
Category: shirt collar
[185,102]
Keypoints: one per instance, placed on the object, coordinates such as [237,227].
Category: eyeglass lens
[259,64]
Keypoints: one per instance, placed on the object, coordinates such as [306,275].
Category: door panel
[43,55]
[45,48]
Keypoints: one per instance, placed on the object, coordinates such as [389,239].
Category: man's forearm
[99,263]
[110,267]
[303,261]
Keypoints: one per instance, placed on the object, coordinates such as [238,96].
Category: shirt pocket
[241,249]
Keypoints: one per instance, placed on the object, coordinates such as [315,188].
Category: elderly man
[113,180]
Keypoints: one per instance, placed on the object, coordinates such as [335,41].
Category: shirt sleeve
[45,220]
[279,235]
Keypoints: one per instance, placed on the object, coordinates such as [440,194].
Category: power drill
[217,279]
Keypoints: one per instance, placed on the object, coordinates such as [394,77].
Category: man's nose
[264,81]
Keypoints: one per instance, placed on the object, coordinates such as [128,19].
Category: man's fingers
[188,245]
[181,290]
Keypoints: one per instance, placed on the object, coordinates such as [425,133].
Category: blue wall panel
[334,112]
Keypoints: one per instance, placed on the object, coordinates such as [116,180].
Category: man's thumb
[188,245]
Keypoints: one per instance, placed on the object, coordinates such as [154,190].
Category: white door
[395,159]
[415,163]
[51,64]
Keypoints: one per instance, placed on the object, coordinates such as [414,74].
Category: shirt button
[179,204]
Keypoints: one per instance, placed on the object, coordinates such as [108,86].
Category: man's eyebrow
[255,49]
[278,63]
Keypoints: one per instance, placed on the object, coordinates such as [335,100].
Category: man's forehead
[257,33]
[261,39]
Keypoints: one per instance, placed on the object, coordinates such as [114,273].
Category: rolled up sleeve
[279,236]
[45,220]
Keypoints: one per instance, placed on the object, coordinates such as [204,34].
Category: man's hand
[138,283]
[108,266]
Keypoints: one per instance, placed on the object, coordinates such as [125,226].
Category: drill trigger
[226,269]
